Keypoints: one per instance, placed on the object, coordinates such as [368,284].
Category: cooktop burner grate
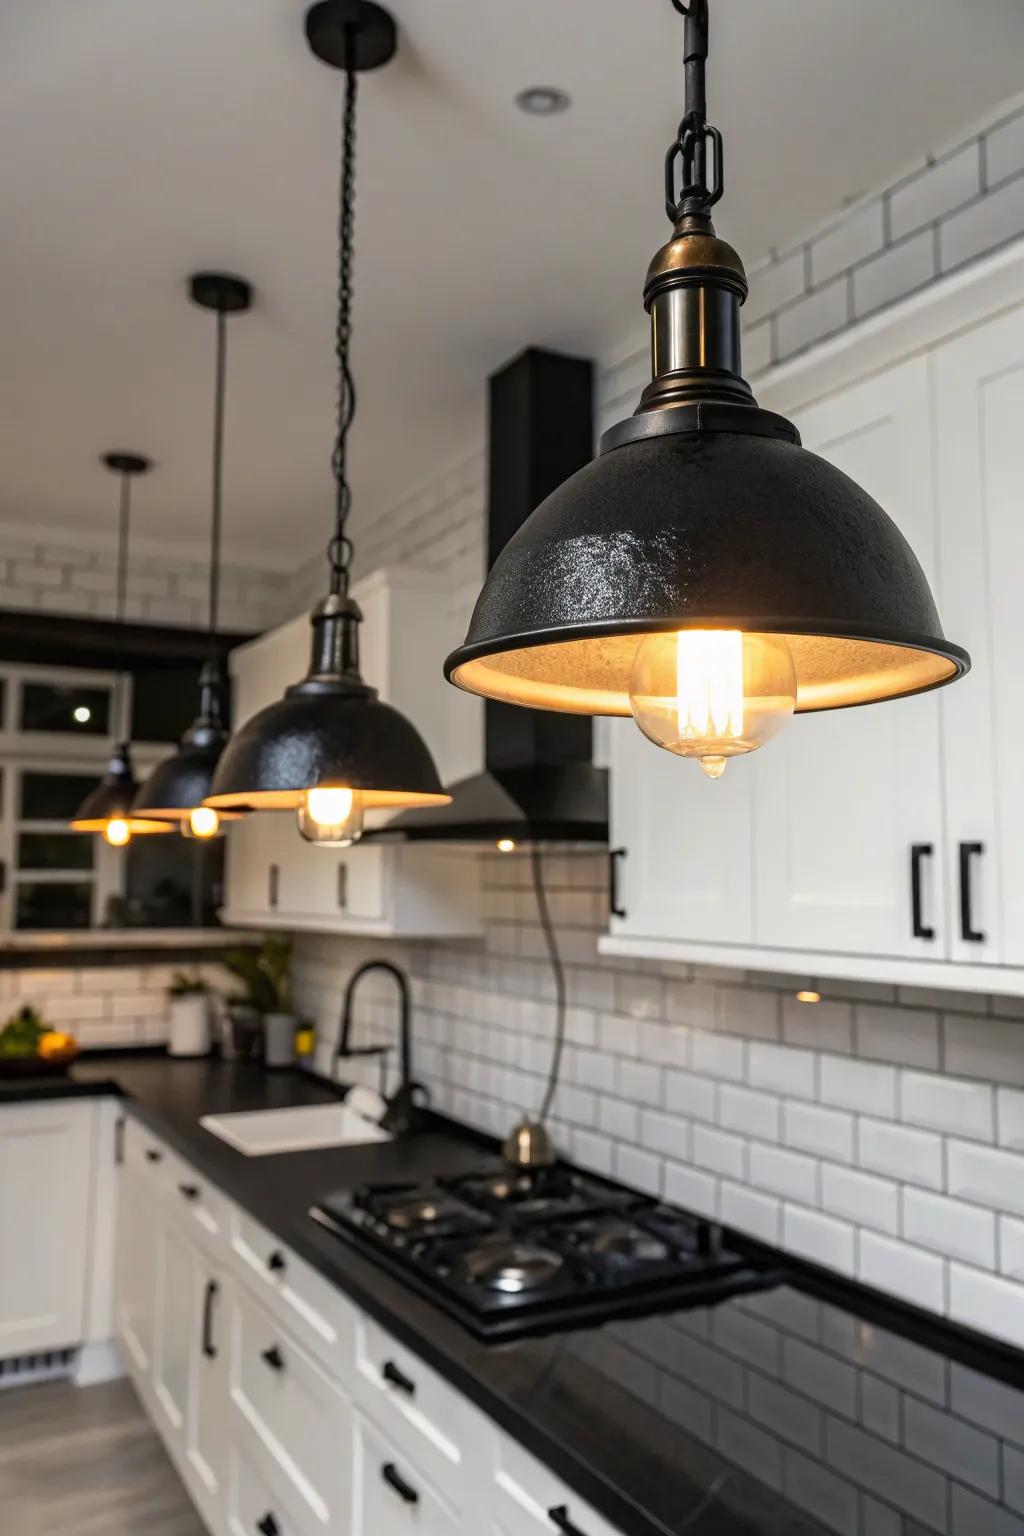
[511,1253]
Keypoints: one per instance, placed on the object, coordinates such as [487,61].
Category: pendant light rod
[340,548]
[126,466]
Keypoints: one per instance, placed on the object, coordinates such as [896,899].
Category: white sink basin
[260,1132]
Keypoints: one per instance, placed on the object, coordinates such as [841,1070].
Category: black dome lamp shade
[177,787]
[108,808]
[705,572]
[331,749]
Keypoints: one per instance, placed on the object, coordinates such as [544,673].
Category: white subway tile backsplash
[819,1238]
[904,1153]
[640,1170]
[903,1270]
[1011,1249]
[824,1026]
[947,1104]
[986,1176]
[988,1048]
[858,1085]
[749,1011]
[1010,1116]
[668,1134]
[1004,149]
[826,1132]
[983,226]
[784,1069]
[985,1302]
[908,1037]
[619,1118]
[688,1094]
[861,1197]
[949,1226]
[746,1110]
[935,191]
[718,1055]
[784,1173]
[687,1186]
[855,236]
[751,1212]
[719,1152]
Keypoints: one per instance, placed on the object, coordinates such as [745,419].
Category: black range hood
[538,783]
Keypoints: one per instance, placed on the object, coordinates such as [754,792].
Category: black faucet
[400,1115]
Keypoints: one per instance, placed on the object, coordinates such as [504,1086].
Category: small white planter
[189,1033]
[279,1039]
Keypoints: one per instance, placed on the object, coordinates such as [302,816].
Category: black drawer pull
[268,1526]
[391,1372]
[190,1191]
[277,1263]
[615,906]
[968,932]
[918,852]
[273,1357]
[209,1347]
[153,1156]
[559,1517]
[394,1479]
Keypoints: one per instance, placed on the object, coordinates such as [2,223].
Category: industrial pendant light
[704,573]
[330,749]
[176,789]
[108,808]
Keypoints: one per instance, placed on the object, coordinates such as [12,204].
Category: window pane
[53,906]
[164,876]
[165,701]
[54,850]
[54,796]
[52,707]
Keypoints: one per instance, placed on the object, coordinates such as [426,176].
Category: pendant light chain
[339,551]
[695,132]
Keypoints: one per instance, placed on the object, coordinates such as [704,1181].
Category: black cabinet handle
[190,1191]
[968,932]
[119,1141]
[153,1156]
[277,1263]
[268,1526]
[559,1518]
[394,1479]
[273,881]
[397,1377]
[614,904]
[209,1347]
[918,852]
[273,1358]
[342,886]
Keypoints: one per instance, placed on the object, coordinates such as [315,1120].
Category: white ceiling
[145,140]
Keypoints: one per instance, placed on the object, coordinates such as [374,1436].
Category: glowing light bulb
[203,821]
[712,694]
[332,817]
[808,997]
[117,832]
[506,845]
[81,714]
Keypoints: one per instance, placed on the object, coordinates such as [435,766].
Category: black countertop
[812,1406]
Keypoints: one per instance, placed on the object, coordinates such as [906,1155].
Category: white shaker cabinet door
[979,404]
[681,845]
[843,799]
[45,1179]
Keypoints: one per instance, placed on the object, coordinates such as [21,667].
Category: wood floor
[83,1461]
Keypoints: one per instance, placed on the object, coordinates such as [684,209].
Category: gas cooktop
[510,1252]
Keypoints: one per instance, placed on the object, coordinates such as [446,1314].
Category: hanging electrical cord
[558,972]
[217,488]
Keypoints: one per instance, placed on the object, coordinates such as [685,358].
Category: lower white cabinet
[287,1410]
[47,1179]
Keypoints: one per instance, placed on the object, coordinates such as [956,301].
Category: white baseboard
[97,1363]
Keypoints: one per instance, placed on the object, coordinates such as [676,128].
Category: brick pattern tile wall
[879,1133]
[39,574]
[103,1006]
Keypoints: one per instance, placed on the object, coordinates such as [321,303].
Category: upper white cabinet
[843,798]
[979,440]
[274,879]
[885,842]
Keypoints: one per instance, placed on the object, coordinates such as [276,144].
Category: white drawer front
[316,1312]
[260,1498]
[167,1173]
[301,1418]
[416,1408]
[145,1153]
[393,1495]
[531,1501]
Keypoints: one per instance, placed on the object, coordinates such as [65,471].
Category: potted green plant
[28,1045]
[264,999]
[189,1027]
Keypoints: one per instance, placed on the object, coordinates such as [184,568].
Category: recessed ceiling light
[543,100]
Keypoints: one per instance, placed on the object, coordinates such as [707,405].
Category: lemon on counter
[56,1044]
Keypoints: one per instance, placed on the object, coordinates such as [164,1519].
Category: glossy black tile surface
[811,1407]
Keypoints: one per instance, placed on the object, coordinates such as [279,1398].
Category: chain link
[339,550]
